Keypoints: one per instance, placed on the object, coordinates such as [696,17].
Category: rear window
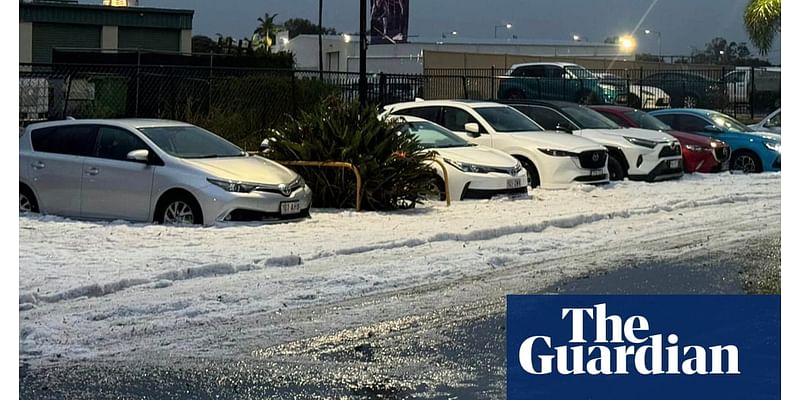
[77,140]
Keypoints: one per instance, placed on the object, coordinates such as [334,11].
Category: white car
[650,97]
[552,159]
[772,123]
[473,172]
[638,154]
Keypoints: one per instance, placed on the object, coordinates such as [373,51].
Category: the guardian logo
[621,346]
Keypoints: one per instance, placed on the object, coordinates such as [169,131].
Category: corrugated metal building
[44,26]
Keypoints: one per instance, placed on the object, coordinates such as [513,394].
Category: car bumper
[220,205]
[703,162]
[562,172]
[465,185]
[663,171]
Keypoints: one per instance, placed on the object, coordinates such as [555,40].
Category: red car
[700,153]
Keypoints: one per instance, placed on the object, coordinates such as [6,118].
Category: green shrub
[392,164]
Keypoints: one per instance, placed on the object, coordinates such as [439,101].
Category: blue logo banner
[643,347]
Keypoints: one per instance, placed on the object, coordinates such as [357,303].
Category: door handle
[92,171]
[37,165]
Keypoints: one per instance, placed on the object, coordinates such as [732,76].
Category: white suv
[638,154]
[553,159]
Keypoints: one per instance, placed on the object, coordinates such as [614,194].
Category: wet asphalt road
[454,353]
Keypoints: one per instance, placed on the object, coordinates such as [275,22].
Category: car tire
[27,200]
[533,173]
[515,94]
[178,209]
[586,97]
[634,101]
[746,161]
[436,190]
[615,170]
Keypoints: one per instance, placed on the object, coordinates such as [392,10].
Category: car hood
[478,155]
[762,135]
[692,138]
[656,136]
[251,169]
[555,140]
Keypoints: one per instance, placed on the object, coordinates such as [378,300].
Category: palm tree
[762,19]
[266,27]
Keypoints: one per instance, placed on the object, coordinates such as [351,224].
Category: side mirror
[563,128]
[141,155]
[473,129]
[712,129]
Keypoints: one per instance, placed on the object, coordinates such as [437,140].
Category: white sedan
[474,172]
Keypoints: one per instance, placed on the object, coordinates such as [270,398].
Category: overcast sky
[683,23]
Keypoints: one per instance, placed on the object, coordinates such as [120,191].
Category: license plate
[674,163]
[596,172]
[290,207]
[514,183]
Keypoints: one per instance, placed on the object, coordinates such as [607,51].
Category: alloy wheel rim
[690,102]
[25,203]
[745,164]
[178,213]
[434,193]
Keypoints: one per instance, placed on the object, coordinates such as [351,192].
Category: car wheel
[515,95]
[533,173]
[615,170]
[27,201]
[690,101]
[634,101]
[747,162]
[586,97]
[436,190]
[179,210]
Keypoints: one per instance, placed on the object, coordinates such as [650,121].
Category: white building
[340,52]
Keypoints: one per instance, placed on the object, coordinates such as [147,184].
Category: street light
[576,38]
[507,26]
[347,38]
[628,43]
[650,32]
[453,33]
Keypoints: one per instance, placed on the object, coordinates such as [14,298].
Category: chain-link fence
[240,102]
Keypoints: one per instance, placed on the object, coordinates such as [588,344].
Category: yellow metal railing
[333,164]
[446,181]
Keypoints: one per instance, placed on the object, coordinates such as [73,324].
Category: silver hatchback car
[151,170]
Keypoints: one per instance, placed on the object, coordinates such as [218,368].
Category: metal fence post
[66,95]
[382,88]
[493,95]
[294,96]
[138,67]
[464,85]
[752,85]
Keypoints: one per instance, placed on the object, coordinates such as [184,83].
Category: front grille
[591,178]
[593,159]
[722,153]
[282,189]
[670,151]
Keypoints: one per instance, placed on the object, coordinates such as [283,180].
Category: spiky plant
[762,19]
[393,167]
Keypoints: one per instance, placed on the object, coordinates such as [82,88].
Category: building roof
[92,14]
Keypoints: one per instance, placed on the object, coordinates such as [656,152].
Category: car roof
[439,103]
[130,123]
[612,108]
[558,64]
[547,103]
[701,111]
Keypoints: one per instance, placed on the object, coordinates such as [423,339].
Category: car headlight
[466,167]
[231,186]
[697,148]
[774,146]
[642,142]
[558,153]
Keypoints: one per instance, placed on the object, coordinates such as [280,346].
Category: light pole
[650,32]
[507,26]
[362,54]
[319,41]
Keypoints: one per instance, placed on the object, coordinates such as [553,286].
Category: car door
[454,119]
[692,124]
[113,186]
[56,166]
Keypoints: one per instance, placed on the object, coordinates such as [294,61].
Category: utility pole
[362,55]
[319,39]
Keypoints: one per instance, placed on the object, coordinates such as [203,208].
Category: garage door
[46,37]
[149,39]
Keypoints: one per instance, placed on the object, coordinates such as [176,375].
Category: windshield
[647,121]
[431,136]
[507,119]
[191,142]
[727,123]
[589,119]
[579,72]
